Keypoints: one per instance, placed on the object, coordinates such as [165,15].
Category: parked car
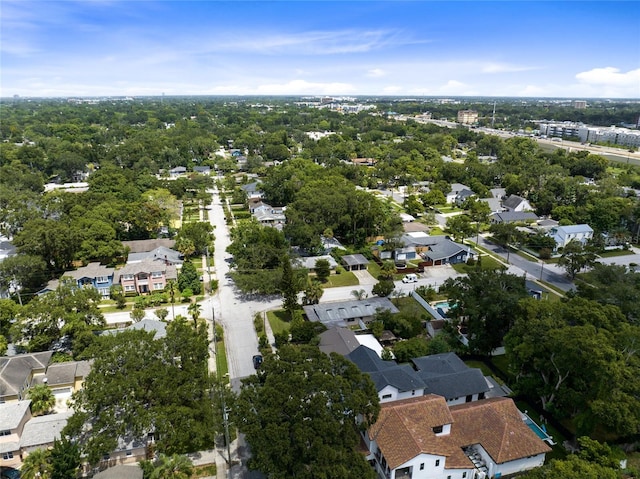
[257,361]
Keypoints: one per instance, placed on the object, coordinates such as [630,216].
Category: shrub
[258,323]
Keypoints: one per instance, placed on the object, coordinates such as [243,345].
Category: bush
[213,285]
[258,323]
[281,338]
[263,342]
[186,295]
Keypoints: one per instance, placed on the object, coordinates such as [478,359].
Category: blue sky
[506,48]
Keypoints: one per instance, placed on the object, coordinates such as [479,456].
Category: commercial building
[467,117]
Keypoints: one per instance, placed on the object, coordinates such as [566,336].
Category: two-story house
[94,275]
[424,438]
[563,235]
[145,276]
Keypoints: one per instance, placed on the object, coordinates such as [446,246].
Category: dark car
[257,361]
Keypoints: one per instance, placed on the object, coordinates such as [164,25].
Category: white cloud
[610,76]
[311,43]
[376,73]
[608,82]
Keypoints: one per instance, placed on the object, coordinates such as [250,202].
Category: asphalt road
[551,274]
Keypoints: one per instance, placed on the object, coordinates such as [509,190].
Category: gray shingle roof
[403,378]
[140,246]
[43,430]
[448,376]
[368,360]
[121,471]
[445,249]
[512,201]
[16,370]
[515,216]
[161,253]
[64,373]
[147,266]
[11,413]
[338,340]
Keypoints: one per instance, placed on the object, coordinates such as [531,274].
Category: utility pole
[223,404]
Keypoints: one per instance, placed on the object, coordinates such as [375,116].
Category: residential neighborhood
[415,309]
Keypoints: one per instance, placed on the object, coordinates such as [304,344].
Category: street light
[541,268]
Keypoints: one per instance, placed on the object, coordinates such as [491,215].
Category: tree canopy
[300,415]
[139,385]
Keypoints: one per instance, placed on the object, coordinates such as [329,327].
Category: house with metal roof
[424,438]
[348,313]
[565,234]
[354,262]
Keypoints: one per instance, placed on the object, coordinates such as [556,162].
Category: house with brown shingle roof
[423,438]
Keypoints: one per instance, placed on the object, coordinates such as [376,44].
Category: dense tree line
[140,385]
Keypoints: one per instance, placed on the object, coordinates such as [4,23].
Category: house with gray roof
[93,275]
[514,217]
[516,203]
[162,253]
[145,276]
[17,372]
[121,471]
[41,431]
[368,360]
[434,250]
[203,170]
[13,417]
[348,313]
[448,376]
[309,262]
[456,189]
[565,234]
[144,246]
[252,190]
[338,340]
[354,262]
[64,379]
[392,381]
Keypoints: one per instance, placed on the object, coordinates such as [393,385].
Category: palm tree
[359,294]
[172,467]
[36,465]
[313,292]
[387,270]
[194,311]
[42,399]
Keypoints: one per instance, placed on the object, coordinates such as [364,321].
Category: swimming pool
[541,433]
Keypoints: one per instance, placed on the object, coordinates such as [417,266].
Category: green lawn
[488,263]
[484,368]
[346,278]
[374,269]
[222,367]
[436,231]
[615,252]
[279,321]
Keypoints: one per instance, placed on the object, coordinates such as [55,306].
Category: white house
[516,203]
[423,438]
[565,234]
